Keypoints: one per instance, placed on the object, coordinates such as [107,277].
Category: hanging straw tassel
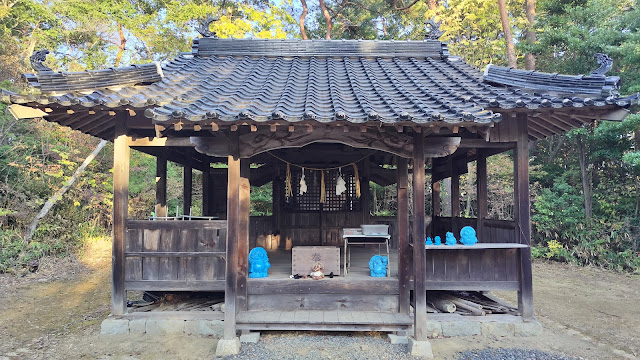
[357,180]
[288,191]
[323,192]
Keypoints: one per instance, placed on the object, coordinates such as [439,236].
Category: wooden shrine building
[364,111]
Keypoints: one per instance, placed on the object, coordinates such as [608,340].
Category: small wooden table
[356,237]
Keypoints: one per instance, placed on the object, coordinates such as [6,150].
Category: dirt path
[56,314]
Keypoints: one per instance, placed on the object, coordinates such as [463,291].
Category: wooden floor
[360,255]
[323,320]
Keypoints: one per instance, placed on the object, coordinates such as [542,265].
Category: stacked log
[467,303]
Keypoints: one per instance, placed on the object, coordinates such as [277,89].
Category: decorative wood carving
[258,142]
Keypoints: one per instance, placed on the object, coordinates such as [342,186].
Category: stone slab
[395,339]
[252,337]
[228,347]
[434,329]
[497,329]
[137,326]
[528,328]
[461,328]
[204,327]
[164,327]
[113,326]
[421,349]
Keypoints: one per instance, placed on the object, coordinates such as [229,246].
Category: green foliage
[262,200]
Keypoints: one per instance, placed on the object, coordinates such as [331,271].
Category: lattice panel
[310,201]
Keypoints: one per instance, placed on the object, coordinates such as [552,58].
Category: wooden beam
[254,143]
[482,193]
[163,142]
[233,224]
[521,167]
[365,191]
[207,185]
[187,189]
[455,198]
[481,143]
[243,235]
[404,250]
[419,258]
[161,185]
[121,153]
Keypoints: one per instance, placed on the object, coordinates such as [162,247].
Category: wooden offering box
[304,257]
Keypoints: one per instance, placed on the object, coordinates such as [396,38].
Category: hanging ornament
[288,192]
[340,184]
[356,180]
[303,184]
[323,190]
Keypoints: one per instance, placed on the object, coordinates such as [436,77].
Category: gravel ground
[511,354]
[362,346]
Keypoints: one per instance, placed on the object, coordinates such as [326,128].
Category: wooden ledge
[477,246]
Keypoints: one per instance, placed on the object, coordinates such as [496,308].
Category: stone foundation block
[204,327]
[529,328]
[113,326]
[461,328]
[497,329]
[163,327]
[228,347]
[434,329]
[396,340]
[252,337]
[421,349]
[137,326]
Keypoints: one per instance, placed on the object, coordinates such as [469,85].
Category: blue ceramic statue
[450,239]
[258,263]
[428,242]
[437,241]
[378,266]
[468,236]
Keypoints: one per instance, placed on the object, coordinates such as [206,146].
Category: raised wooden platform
[323,320]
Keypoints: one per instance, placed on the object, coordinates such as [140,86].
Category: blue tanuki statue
[428,241]
[450,239]
[258,263]
[468,236]
[378,266]
[437,241]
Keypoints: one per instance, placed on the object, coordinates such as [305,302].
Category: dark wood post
[276,203]
[243,234]
[455,197]
[121,153]
[233,224]
[161,185]
[435,197]
[523,222]
[419,260]
[404,250]
[206,191]
[187,189]
[365,191]
[481,189]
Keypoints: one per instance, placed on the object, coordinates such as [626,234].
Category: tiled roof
[226,80]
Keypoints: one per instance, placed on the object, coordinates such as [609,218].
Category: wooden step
[323,320]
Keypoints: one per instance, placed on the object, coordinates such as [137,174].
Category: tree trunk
[303,16]
[586,186]
[553,152]
[506,29]
[530,36]
[327,18]
[123,42]
[58,195]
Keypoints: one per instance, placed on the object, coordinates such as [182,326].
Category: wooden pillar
[481,189]
[455,197]
[206,190]
[522,212]
[365,191]
[276,201]
[121,153]
[233,227]
[187,189]
[435,198]
[404,250]
[161,185]
[419,260]
[243,234]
